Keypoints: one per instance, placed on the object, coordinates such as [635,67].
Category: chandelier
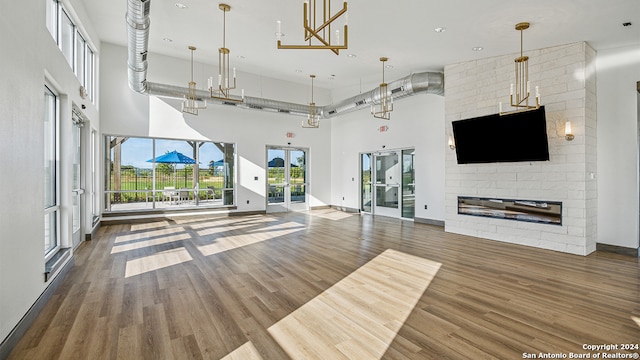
[320,32]
[226,82]
[191,104]
[385,106]
[519,95]
[313,119]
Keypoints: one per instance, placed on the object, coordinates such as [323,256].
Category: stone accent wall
[566,78]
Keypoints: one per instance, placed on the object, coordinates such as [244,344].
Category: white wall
[417,121]
[618,71]
[125,112]
[566,77]
[29,58]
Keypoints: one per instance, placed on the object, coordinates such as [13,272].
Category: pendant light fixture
[313,119]
[191,104]
[519,94]
[385,104]
[319,36]
[226,75]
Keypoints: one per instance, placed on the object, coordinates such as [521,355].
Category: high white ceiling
[402,30]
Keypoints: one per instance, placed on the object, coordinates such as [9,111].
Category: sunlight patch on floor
[118,248]
[156,261]
[208,229]
[151,225]
[249,237]
[331,214]
[148,234]
[636,319]
[360,316]
[245,352]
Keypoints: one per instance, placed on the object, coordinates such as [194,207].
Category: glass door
[286,179]
[366,191]
[77,190]
[387,184]
[408,184]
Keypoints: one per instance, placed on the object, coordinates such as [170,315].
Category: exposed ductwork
[138,39]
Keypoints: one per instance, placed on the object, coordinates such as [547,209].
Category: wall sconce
[452,144]
[568,134]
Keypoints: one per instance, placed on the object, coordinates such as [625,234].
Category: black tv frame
[495,138]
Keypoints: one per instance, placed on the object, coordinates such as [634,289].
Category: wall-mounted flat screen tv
[493,138]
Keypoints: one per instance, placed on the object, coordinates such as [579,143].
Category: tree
[166,168]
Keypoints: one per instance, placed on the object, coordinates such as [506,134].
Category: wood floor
[328,285]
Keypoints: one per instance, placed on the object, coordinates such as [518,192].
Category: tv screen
[502,138]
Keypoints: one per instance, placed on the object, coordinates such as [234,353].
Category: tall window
[81,46]
[52,18]
[51,203]
[67,33]
[88,81]
[72,43]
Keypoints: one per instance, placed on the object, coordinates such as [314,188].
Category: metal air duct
[138,40]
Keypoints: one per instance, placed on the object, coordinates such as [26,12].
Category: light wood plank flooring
[297,285]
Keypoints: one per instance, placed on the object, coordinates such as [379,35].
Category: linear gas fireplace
[546,212]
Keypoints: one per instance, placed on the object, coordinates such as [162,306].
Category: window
[89,63]
[73,45]
[80,67]
[52,18]
[67,33]
[51,203]
[152,173]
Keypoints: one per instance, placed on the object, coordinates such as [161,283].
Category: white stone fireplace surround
[566,79]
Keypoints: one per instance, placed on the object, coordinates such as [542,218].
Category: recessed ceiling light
[241,57]
[440,29]
[167,40]
[352,56]
[181,6]
[477,48]
[388,67]
[332,77]
[298,71]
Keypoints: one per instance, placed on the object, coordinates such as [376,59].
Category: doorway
[77,191]
[287,183]
[387,183]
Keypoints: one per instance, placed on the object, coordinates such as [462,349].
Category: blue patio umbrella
[173,157]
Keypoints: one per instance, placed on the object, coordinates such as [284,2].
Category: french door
[287,182]
[387,183]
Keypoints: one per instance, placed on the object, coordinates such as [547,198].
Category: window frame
[62,13]
[54,6]
[84,71]
[228,194]
[53,208]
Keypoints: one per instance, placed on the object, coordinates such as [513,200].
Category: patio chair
[183,196]
[211,191]
[170,193]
